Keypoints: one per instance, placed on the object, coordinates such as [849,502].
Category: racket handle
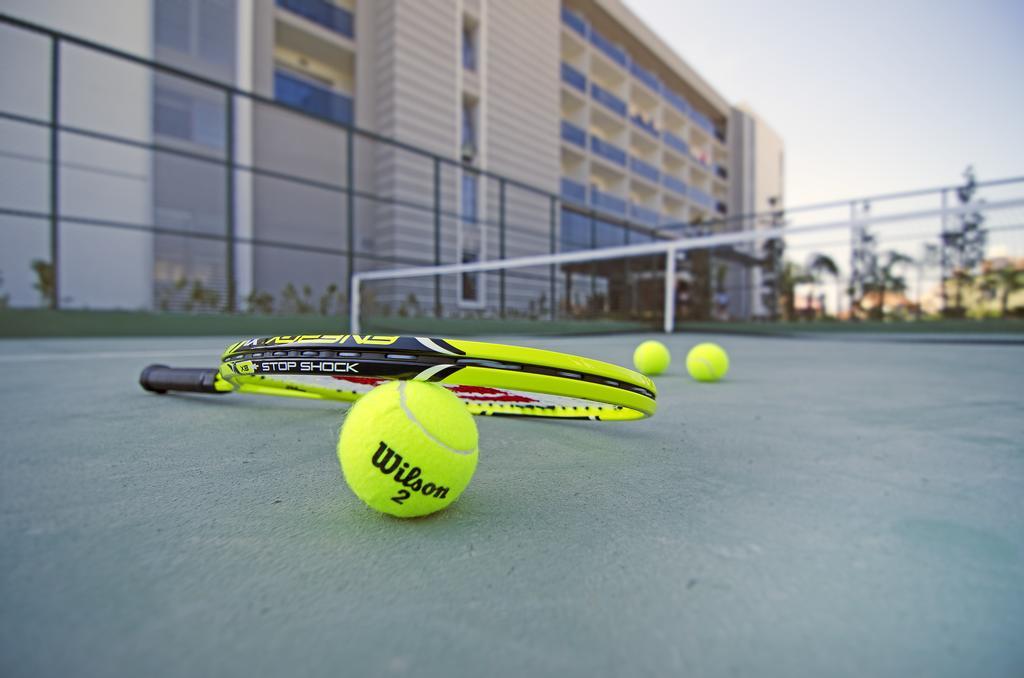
[161,379]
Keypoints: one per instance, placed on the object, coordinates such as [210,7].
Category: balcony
[645,125]
[605,97]
[721,172]
[645,76]
[327,14]
[573,21]
[574,78]
[678,102]
[702,121]
[573,191]
[607,202]
[643,215]
[675,184]
[609,49]
[574,134]
[701,198]
[677,144]
[608,151]
[317,100]
[643,169]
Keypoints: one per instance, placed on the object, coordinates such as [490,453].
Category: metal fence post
[853,260]
[231,284]
[944,261]
[54,172]
[437,235]
[593,265]
[670,291]
[553,308]
[629,297]
[354,305]
[501,246]
[350,209]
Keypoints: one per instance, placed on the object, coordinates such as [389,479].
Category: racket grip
[161,379]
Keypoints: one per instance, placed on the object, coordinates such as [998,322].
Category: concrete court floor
[835,508]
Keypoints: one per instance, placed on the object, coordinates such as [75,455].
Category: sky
[869,97]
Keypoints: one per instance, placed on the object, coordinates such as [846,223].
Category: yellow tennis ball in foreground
[408,448]
[707,362]
[652,358]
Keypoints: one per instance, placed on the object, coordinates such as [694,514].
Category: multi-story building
[624,141]
[643,140]
[643,136]
[472,80]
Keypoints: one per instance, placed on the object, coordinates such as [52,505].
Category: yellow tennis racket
[492,379]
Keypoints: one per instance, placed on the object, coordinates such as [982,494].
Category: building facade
[623,140]
[758,168]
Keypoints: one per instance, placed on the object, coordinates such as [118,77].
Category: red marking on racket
[365,381]
[494,395]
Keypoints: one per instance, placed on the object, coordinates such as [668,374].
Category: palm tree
[963,248]
[885,279]
[930,257]
[792,274]
[1007,280]
[822,263]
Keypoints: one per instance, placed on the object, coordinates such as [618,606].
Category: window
[172,115]
[173,24]
[468,130]
[188,112]
[208,118]
[216,32]
[607,234]
[470,242]
[198,28]
[469,46]
[636,237]
[470,292]
[576,231]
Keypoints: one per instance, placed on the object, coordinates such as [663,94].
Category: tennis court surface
[833,508]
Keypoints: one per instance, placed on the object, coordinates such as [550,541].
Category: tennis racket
[492,379]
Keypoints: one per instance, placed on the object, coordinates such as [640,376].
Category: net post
[353,304]
[670,290]
[54,171]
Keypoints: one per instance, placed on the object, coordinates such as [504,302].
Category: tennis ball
[651,358]
[408,448]
[707,362]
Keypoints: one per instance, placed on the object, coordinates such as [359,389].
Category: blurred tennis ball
[651,357]
[408,448]
[707,362]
